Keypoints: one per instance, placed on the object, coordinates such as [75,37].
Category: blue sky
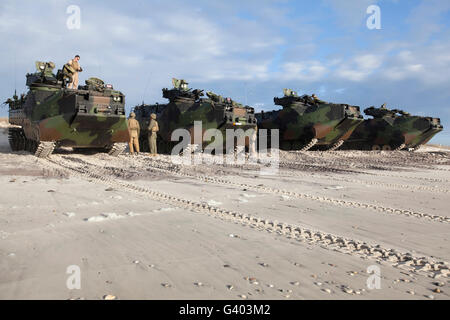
[249,50]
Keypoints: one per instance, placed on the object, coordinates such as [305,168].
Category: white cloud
[170,40]
[359,67]
[429,65]
[308,71]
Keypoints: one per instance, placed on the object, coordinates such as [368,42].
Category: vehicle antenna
[15,74]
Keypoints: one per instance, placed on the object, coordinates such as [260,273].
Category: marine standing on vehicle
[135,130]
[153,128]
[50,115]
[71,69]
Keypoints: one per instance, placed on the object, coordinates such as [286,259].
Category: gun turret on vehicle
[181,90]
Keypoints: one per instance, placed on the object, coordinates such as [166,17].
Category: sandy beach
[141,227]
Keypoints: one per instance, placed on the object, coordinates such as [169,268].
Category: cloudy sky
[248,49]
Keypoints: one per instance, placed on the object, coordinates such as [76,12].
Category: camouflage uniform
[134,130]
[72,68]
[153,128]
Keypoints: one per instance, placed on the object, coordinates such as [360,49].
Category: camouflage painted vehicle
[392,130]
[50,115]
[305,122]
[186,106]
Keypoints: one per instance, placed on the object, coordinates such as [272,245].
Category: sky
[248,50]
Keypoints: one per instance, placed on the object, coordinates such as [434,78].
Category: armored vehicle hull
[185,108]
[50,115]
[393,130]
[431,127]
[305,122]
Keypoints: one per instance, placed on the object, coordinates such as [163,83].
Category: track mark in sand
[406,261]
[163,167]
[296,165]
[174,170]
[393,186]
[375,183]
[371,160]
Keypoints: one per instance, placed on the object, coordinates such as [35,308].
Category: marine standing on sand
[153,128]
[71,69]
[134,129]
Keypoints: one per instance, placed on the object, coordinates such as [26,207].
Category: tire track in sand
[426,266]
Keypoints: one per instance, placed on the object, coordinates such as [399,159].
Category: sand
[144,228]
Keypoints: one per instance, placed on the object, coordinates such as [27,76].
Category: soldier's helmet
[133,115]
[314,96]
[153,116]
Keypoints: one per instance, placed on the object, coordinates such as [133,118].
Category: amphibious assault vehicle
[187,106]
[50,115]
[305,122]
[392,130]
